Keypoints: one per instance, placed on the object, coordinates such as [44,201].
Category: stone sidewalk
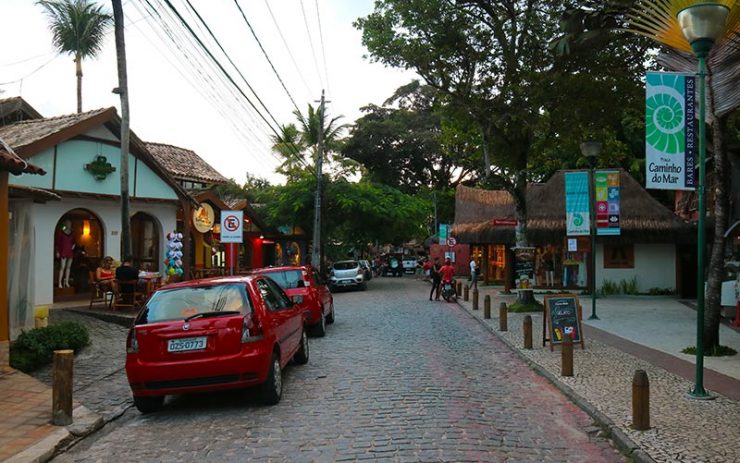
[683,430]
[26,432]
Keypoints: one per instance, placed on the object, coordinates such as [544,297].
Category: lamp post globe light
[590,150]
[702,24]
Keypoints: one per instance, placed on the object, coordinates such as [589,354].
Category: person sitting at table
[126,272]
[104,275]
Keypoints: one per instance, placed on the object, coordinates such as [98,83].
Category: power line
[323,49]
[21,79]
[266,56]
[310,42]
[287,48]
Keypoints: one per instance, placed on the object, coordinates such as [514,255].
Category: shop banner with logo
[607,202]
[670,138]
[444,232]
[576,204]
[232,226]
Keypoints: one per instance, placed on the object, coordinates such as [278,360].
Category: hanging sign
[576,204]
[607,202]
[524,267]
[203,218]
[232,226]
[670,139]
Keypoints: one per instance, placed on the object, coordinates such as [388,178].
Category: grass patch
[521,308]
[35,348]
[716,351]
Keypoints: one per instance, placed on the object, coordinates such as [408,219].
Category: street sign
[451,241]
[232,226]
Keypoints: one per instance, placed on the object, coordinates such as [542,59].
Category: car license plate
[345,282]
[186,344]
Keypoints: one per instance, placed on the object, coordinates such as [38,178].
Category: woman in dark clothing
[436,279]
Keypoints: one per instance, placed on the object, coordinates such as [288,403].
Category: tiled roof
[14,109]
[26,132]
[184,164]
[15,165]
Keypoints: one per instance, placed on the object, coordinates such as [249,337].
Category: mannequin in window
[65,245]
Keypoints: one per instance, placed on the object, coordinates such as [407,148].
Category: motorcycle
[448,291]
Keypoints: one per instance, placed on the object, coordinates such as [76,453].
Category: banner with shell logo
[670,139]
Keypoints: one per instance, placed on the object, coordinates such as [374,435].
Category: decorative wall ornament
[100,168]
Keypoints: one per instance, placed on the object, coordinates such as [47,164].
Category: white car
[347,274]
[409,265]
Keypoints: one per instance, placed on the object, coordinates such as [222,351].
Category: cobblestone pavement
[99,378]
[397,378]
[683,430]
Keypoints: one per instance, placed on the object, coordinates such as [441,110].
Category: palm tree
[78,28]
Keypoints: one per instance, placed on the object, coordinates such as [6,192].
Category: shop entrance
[145,242]
[78,250]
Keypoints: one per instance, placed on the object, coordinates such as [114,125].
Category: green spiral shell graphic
[664,121]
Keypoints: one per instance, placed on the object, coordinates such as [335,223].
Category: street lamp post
[591,150]
[701,24]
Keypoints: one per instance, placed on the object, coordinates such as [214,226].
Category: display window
[78,250]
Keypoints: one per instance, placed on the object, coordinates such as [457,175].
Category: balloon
[171,271]
[178,262]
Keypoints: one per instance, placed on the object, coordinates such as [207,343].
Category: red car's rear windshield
[287,279]
[180,303]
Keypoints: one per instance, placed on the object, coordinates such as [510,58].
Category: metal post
[592,199]
[699,391]
[316,254]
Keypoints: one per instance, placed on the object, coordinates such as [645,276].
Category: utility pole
[122,91]
[316,254]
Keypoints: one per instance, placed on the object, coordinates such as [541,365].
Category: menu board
[524,267]
[562,318]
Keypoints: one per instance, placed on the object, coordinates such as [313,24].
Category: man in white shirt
[473,274]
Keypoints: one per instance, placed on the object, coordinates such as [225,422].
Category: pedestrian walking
[436,279]
[473,274]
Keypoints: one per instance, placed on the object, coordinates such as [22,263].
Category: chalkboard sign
[563,318]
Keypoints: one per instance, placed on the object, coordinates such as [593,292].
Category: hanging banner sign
[607,202]
[576,204]
[670,138]
[232,226]
[444,232]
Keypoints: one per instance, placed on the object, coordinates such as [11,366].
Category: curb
[85,422]
[625,445]
[119,319]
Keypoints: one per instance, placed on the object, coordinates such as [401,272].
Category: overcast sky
[167,108]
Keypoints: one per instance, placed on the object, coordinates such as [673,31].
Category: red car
[306,284]
[214,334]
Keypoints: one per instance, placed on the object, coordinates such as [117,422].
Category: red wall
[462,256]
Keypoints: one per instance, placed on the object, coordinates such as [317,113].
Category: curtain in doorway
[20,269]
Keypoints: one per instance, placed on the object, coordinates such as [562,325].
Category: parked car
[368,269]
[347,274]
[213,334]
[394,267]
[306,284]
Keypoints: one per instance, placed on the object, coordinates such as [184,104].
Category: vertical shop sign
[670,139]
[607,190]
[524,260]
[444,230]
[576,204]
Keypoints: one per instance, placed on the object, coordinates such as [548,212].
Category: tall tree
[412,142]
[78,28]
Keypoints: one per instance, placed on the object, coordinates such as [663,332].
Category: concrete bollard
[503,317]
[640,401]
[528,332]
[61,405]
[566,367]
[466,294]
[487,306]
[475,299]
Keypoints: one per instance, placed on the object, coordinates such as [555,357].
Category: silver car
[347,274]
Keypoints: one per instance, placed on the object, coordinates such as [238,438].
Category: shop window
[145,242]
[621,256]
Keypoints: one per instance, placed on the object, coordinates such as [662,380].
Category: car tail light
[251,328]
[132,345]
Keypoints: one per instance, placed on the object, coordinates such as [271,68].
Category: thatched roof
[643,219]
[16,109]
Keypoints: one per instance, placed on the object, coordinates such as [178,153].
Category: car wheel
[272,389]
[319,329]
[330,317]
[147,404]
[301,356]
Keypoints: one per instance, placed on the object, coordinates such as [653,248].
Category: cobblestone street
[397,378]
